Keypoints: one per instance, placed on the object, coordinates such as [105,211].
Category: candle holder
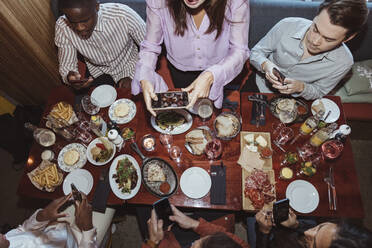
[148,142]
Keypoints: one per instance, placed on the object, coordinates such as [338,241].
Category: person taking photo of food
[206,44]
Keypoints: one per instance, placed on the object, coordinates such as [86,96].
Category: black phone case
[161,207]
[281,211]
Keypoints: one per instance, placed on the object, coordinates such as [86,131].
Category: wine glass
[213,149]
[332,149]
[166,139]
[175,153]
[277,126]
[307,150]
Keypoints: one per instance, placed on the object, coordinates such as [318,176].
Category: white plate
[92,144]
[195,182]
[329,105]
[122,120]
[114,185]
[103,96]
[303,196]
[82,150]
[178,130]
[82,179]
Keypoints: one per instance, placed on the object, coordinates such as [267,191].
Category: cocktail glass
[166,140]
[307,150]
[306,128]
[175,153]
[332,149]
[205,109]
[213,149]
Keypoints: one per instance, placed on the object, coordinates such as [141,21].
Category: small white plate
[195,182]
[122,120]
[92,144]
[303,196]
[81,178]
[114,185]
[329,105]
[82,150]
[177,130]
[103,96]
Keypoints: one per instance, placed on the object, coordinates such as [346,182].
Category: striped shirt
[111,49]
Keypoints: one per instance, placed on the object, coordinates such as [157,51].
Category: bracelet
[151,243]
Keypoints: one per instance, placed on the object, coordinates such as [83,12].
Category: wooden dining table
[348,192]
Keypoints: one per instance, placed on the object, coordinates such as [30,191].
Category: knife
[327,180]
[334,195]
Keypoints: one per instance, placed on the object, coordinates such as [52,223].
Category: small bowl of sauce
[286,173]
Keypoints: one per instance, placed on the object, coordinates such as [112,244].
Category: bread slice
[71,157]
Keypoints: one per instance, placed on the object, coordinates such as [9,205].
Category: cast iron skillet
[170,174]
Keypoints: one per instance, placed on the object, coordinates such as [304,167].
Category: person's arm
[228,68]
[149,52]
[206,228]
[83,220]
[67,54]
[136,25]
[323,86]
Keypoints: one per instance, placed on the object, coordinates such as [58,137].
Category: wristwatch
[151,243]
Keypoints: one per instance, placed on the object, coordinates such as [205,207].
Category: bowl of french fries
[63,114]
[46,176]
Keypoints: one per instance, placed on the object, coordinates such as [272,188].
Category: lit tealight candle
[30,161]
[148,142]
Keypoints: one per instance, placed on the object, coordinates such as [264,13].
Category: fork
[327,180]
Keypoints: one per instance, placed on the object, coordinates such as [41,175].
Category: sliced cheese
[261,141]
[249,138]
[252,148]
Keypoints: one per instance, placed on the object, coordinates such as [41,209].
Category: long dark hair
[219,240]
[215,10]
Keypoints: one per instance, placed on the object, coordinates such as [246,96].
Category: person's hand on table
[74,76]
[199,88]
[264,220]
[292,221]
[155,228]
[50,212]
[83,214]
[292,86]
[268,67]
[148,94]
[182,220]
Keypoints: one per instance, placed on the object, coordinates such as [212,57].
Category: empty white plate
[103,96]
[82,179]
[195,182]
[303,196]
[329,105]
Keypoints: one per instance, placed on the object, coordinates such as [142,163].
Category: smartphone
[163,211]
[171,100]
[280,211]
[279,75]
[76,195]
[79,81]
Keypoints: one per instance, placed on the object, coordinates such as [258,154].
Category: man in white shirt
[43,229]
[106,35]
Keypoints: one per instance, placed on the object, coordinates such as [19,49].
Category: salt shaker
[115,138]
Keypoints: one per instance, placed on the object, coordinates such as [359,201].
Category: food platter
[266,168]
[328,105]
[173,130]
[81,178]
[195,182]
[46,176]
[122,111]
[197,139]
[115,186]
[66,151]
[302,107]
[93,144]
[303,196]
[227,125]
[103,96]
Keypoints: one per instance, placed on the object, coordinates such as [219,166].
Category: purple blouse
[195,50]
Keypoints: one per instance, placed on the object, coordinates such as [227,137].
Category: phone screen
[279,75]
[75,193]
[170,100]
[281,211]
[163,211]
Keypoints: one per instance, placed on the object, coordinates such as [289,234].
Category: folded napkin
[218,189]
[101,194]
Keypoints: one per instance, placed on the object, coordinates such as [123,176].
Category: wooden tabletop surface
[349,198]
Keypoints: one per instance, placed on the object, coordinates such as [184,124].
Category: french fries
[62,110]
[46,177]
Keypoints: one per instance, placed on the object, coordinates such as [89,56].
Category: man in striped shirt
[106,35]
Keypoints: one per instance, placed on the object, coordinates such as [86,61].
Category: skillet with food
[278,101]
[158,175]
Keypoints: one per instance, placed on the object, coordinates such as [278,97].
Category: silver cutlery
[333,187]
[327,180]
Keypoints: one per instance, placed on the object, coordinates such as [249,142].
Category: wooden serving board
[267,167]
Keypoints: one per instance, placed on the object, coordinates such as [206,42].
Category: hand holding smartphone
[279,75]
[170,100]
[281,211]
[163,211]
[76,195]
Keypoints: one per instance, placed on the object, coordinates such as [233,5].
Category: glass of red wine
[332,149]
[213,149]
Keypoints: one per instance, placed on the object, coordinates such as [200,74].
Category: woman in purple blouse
[206,43]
